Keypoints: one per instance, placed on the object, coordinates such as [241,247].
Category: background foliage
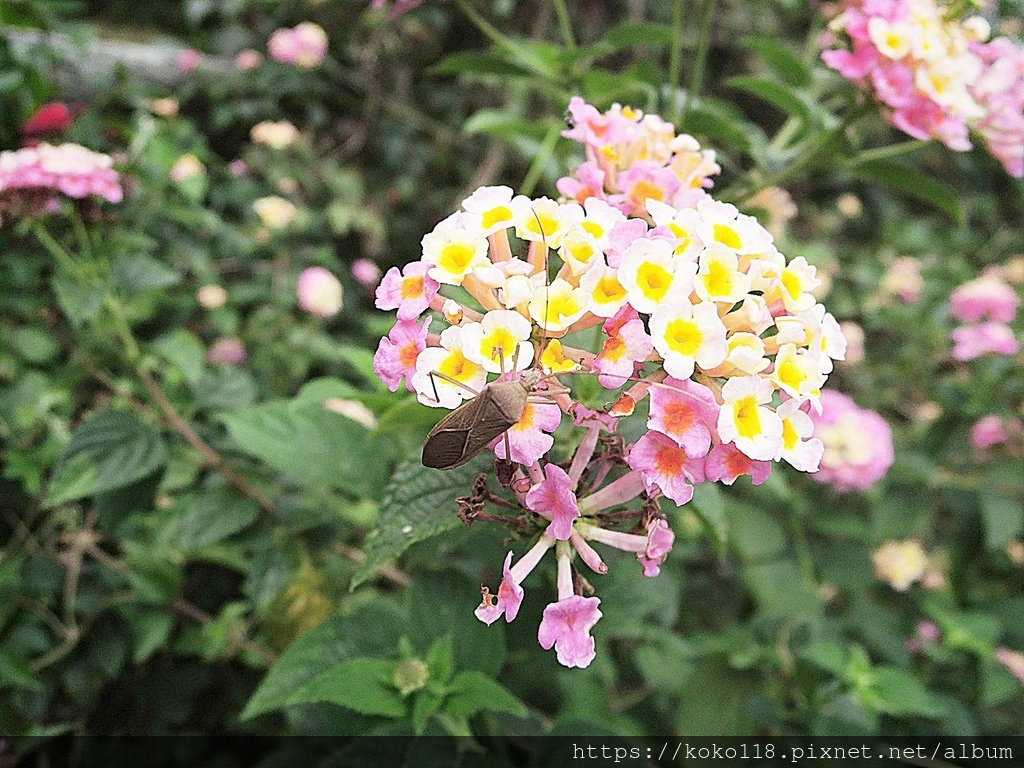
[196,546]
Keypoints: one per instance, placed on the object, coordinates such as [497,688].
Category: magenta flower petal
[566,626]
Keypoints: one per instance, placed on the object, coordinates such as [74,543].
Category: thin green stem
[892,150]
[485,26]
[701,57]
[544,152]
[83,236]
[57,251]
[675,59]
[124,331]
[565,24]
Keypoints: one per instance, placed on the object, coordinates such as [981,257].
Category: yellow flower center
[727,236]
[653,280]
[748,420]
[684,337]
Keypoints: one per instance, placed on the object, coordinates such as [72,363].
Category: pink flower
[247,59]
[642,180]
[238,168]
[659,541]
[589,182]
[1013,661]
[726,462]
[397,352]
[663,465]
[409,291]
[626,345]
[319,292]
[566,626]
[69,168]
[984,298]
[973,341]
[529,438]
[188,59]
[684,411]
[987,432]
[303,45]
[365,272]
[903,278]
[927,630]
[553,498]
[858,443]
[52,117]
[226,351]
[510,597]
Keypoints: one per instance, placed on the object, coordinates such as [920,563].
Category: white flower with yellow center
[499,341]
[651,274]
[682,225]
[579,250]
[744,420]
[745,352]
[825,341]
[718,276]
[900,563]
[686,334]
[892,39]
[791,329]
[454,251]
[490,209]
[797,373]
[274,212]
[723,223]
[544,220]
[448,360]
[605,293]
[801,450]
[554,359]
[795,283]
[599,219]
[557,306]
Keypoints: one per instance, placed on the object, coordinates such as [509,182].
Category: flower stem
[892,150]
[565,24]
[60,255]
[700,59]
[544,153]
[675,57]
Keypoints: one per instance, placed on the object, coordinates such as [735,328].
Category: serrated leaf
[310,443]
[780,58]
[79,301]
[109,450]
[418,503]
[183,350]
[364,685]
[780,95]
[138,272]
[371,630]
[472,692]
[900,693]
[911,182]
[1002,517]
[213,516]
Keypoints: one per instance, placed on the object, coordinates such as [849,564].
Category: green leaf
[79,301]
[183,350]
[224,388]
[363,684]
[721,129]
[110,449]
[418,503]
[632,34]
[900,693]
[151,629]
[370,630]
[16,672]
[472,692]
[911,182]
[1002,516]
[440,659]
[427,702]
[709,504]
[214,516]
[138,272]
[780,58]
[754,533]
[780,95]
[473,63]
[827,656]
[310,443]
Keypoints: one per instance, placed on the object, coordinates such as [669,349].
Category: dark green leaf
[635,33]
[215,515]
[780,58]
[418,503]
[79,301]
[472,692]
[362,684]
[900,693]
[183,350]
[1003,517]
[473,63]
[780,95]
[15,671]
[911,182]
[139,272]
[110,449]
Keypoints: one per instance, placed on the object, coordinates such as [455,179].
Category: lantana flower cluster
[695,307]
[985,306]
[936,74]
[858,448]
[302,46]
[30,177]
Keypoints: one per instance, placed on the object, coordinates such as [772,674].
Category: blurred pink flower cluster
[70,169]
[937,75]
[986,306]
[858,443]
[303,45]
[693,303]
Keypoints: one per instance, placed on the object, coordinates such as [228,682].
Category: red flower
[52,117]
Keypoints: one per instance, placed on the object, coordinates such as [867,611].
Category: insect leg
[450,380]
[501,362]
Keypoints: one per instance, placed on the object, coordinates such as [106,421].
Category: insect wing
[467,430]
